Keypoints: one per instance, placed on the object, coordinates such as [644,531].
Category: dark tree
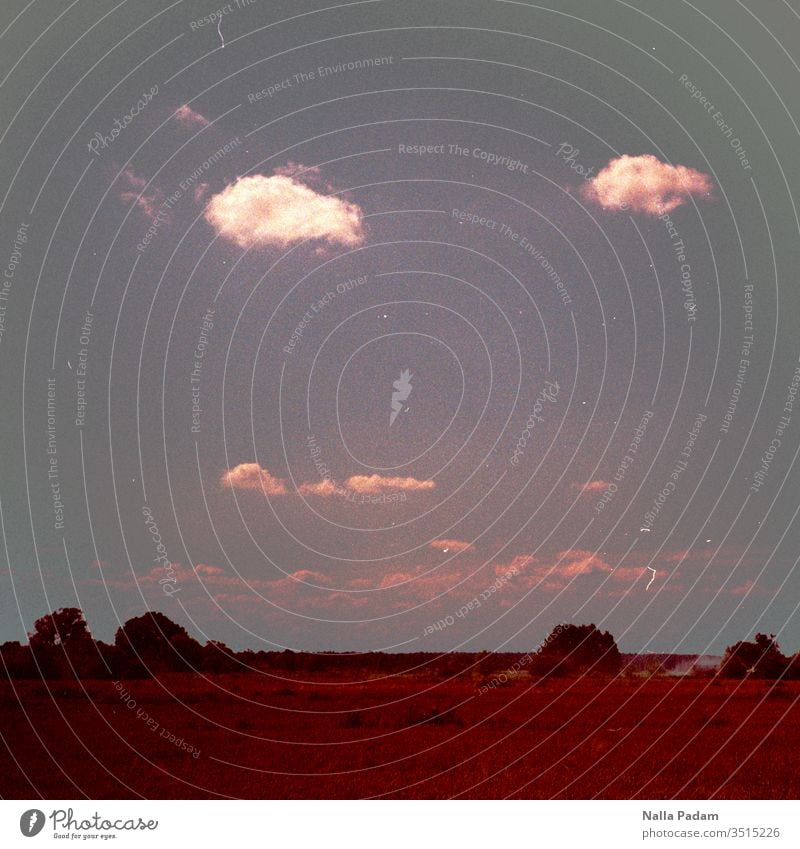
[760,659]
[152,643]
[793,667]
[578,650]
[16,661]
[217,657]
[62,647]
[65,627]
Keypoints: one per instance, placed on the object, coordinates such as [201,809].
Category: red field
[404,736]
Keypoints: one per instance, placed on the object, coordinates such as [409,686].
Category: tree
[217,657]
[154,643]
[65,627]
[761,659]
[793,667]
[62,646]
[578,650]
[16,661]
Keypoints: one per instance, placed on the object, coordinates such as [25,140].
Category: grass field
[401,737]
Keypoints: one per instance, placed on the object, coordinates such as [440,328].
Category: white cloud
[280,211]
[252,476]
[447,545]
[645,184]
[372,484]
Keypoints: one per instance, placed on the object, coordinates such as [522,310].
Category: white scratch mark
[219,30]
[651,579]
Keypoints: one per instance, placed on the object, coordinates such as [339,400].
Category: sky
[402,326]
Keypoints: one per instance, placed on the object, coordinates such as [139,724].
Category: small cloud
[337,600]
[372,484]
[133,179]
[311,173]
[578,562]
[252,476]
[522,564]
[324,488]
[556,572]
[187,116]
[747,588]
[591,486]
[280,210]
[148,203]
[447,545]
[305,576]
[205,569]
[631,573]
[395,579]
[645,184]
[199,192]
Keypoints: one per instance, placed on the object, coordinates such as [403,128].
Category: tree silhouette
[16,661]
[65,627]
[154,643]
[759,659]
[578,649]
[217,657]
[62,647]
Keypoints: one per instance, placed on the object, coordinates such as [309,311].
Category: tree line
[61,646]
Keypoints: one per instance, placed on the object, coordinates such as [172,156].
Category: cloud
[252,476]
[363,485]
[148,203]
[578,562]
[632,573]
[447,545]
[133,179]
[186,115]
[592,486]
[372,484]
[334,601]
[744,589]
[522,564]
[396,579]
[324,488]
[280,211]
[199,191]
[645,184]
[205,569]
[307,576]
[312,173]
[555,573]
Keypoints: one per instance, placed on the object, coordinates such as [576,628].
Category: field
[406,736]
